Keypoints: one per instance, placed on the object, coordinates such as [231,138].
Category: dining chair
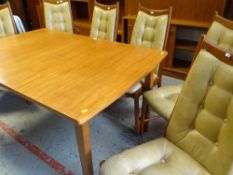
[198,140]
[150,30]
[7,25]
[57,15]
[162,100]
[104,23]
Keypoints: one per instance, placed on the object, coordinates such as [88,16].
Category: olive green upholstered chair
[105,21]
[7,24]
[198,139]
[163,99]
[57,15]
[150,30]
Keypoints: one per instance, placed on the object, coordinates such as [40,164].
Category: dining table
[74,75]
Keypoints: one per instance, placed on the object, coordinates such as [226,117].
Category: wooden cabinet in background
[82,12]
[190,18]
[18,9]
[182,42]
[228,13]
[194,10]
[26,10]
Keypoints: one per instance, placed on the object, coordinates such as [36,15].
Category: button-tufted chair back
[163,99]
[151,30]
[221,32]
[7,25]
[105,21]
[202,120]
[199,136]
[57,15]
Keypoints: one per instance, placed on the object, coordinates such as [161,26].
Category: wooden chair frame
[226,22]
[110,7]
[171,142]
[57,2]
[157,81]
[7,5]
[222,54]
[217,18]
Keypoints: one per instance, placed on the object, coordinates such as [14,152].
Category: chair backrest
[151,29]
[221,32]
[202,121]
[105,21]
[57,15]
[7,25]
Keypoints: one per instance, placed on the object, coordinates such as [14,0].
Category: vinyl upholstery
[162,100]
[149,31]
[218,34]
[58,16]
[103,24]
[6,23]
[199,135]
[202,122]
[221,35]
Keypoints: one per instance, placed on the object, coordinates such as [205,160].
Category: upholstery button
[225,120]
[211,83]
[192,127]
[163,161]
[201,106]
[217,144]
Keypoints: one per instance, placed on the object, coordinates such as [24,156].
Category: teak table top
[71,74]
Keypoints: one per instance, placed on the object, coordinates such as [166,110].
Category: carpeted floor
[36,141]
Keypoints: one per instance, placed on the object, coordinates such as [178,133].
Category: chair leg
[28,102]
[144,116]
[159,84]
[136,113]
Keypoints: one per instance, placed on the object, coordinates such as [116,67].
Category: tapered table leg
[84,146]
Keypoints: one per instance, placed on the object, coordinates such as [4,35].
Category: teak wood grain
[71,74]
[194,10]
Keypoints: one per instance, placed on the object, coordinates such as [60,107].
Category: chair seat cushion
[135,88]
[163,99]
[157,157]
[139,85]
